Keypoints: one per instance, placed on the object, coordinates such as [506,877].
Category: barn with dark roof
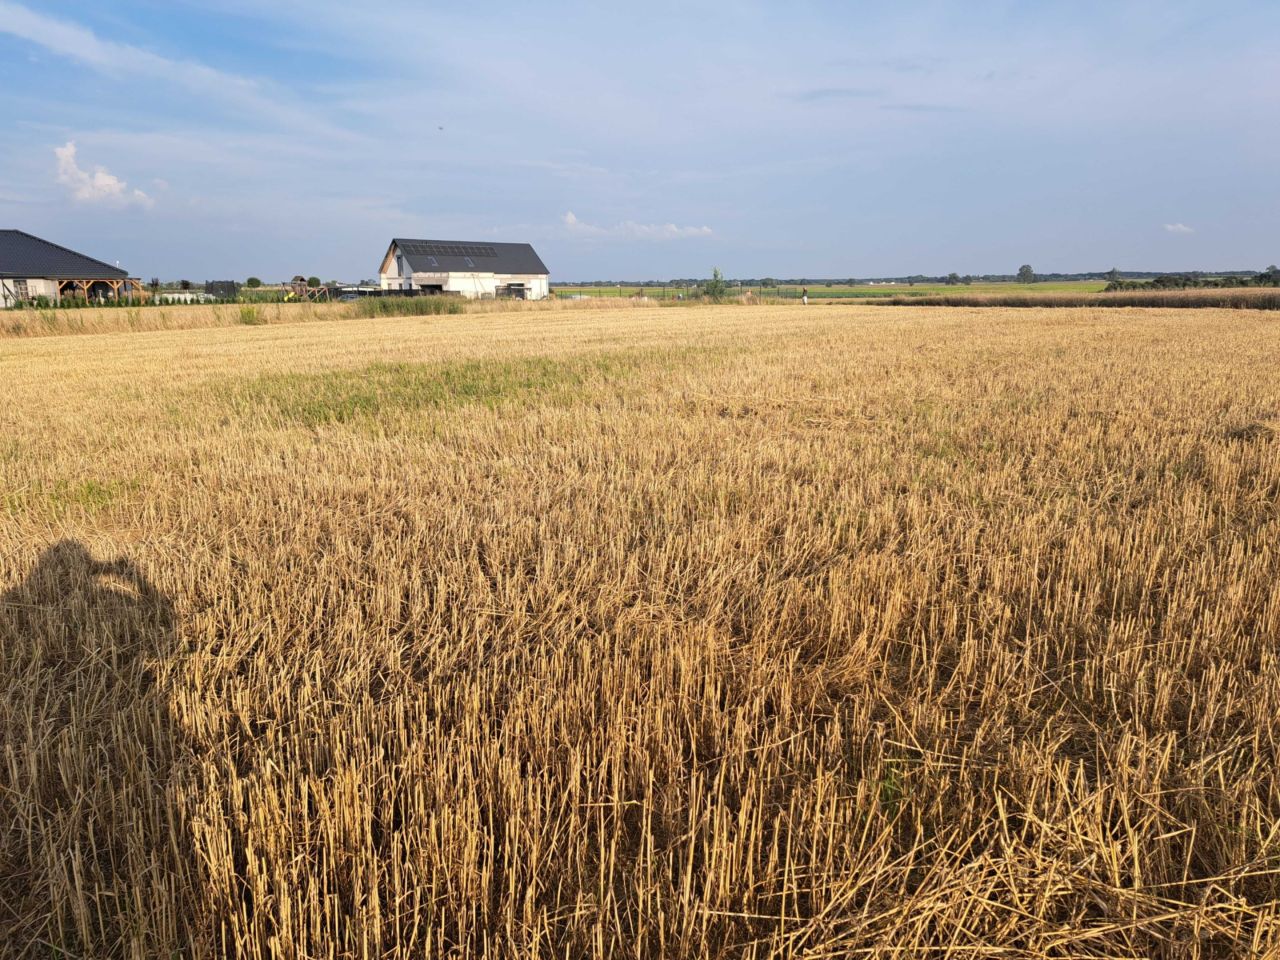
[463,268]
[31,268]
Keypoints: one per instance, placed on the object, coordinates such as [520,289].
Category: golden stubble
[627,632]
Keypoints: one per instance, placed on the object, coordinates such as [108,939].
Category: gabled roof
[22,255]
[462,256]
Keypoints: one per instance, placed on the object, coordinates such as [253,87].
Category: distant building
[222,289]
[472,270]
[31,268]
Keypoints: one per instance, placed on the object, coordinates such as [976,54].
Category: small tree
[1113,275]
[313,281]
[154,284]
[953,279]
[716,288]
[1026,274]
[253,283]
[184,284]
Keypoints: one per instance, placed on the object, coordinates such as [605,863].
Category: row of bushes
[365,307]
[124,303]
[1177,281]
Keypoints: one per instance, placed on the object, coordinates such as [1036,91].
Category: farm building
[32,268]
[472,270]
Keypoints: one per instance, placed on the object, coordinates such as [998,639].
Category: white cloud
[630,230]
[1177,228]
[98,186]
[75,42]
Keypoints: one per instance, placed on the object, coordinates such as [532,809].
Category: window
[433,261]
[470,263]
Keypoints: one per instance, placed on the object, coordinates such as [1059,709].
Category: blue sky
[220,139]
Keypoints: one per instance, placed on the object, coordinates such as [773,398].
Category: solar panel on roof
[417,248]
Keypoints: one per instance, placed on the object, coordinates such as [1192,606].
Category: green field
[840,291]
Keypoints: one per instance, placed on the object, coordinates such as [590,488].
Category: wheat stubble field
[641,633]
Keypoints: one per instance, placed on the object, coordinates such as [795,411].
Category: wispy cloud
[1178,228]
[630,230]
[572,169]
[96,186]
[75,42]
[829,94]
[890,64]
[921,108]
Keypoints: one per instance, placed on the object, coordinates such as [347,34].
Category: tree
[313,281]
[716,288]
[253,283]
[1026,274]
[154,284]
[1113,275]
[184,284]
[953,279]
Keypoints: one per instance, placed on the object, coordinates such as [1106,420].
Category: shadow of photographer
[93,855]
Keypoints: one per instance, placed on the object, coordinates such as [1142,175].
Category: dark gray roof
[22,255]
[463,256]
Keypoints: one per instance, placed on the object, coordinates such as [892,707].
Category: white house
[31,268]
[472,270]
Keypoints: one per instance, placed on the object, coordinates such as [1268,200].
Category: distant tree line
[1024,275]
[1269,277]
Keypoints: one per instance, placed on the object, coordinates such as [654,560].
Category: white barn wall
[389,276]
[536,287]
[42,288]
[473,286]
[36,287]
